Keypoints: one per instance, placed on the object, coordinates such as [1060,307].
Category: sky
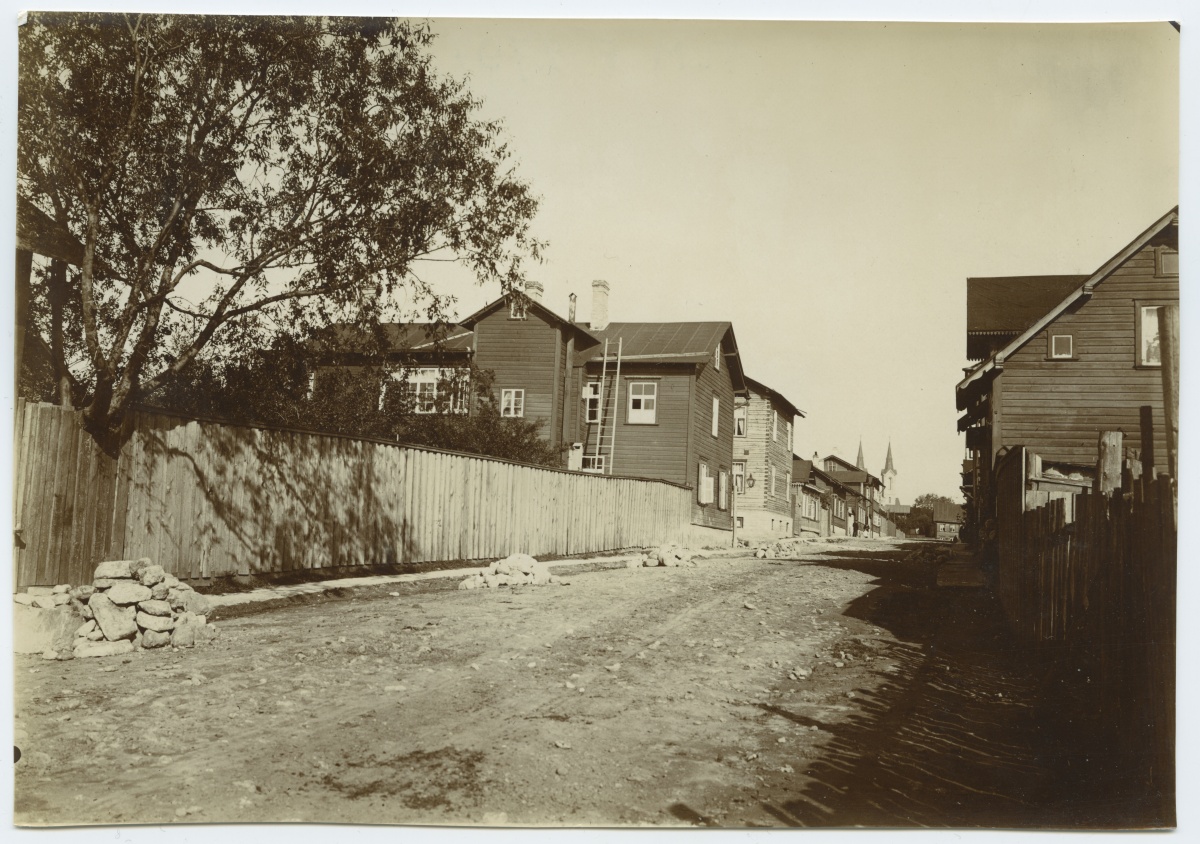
[828,188]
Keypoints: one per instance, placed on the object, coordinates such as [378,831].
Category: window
[591,397]
[716,420]
[771,480]
[312,383]
[741,522]
[643,400]
[516,308]
[723,490]
[739,476]
[1062,346]
[788,428]
[739,421]
[717,359]
[432,390]
[512,403]
[704,487]
[810,507]
[774,426]
[1166,261]
[594,464]
[1148,351]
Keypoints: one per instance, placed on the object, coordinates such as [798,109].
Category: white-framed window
[516,308]
[839,508]
[717,359]
[1166,261]
[594,463]
[643,403]
[1149,352]
[723,490]
[774,425]
[704,485]
[770,480]
[739,476]
[810,507]
[1062,346]
[716,420]
[591,399]
[789,427]
[431,389]
[512,403]
[739,420]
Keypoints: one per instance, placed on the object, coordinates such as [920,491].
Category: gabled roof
[849,467]
[1010,304]
[669,342]
[943,512]
[531,305]
[1167,224]
[419,339]
[775,395]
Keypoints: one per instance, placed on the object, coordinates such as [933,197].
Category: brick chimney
[534,290]
[571,310]
[599,305]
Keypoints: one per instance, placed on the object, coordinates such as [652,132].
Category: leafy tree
[929,499]
[232,175]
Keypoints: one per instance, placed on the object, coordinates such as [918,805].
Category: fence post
[1108,463]
[1168,336]
[1147,425]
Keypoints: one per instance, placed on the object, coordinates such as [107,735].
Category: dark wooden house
[1086,364]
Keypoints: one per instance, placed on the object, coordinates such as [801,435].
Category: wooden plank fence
[207,500]
[1091,582]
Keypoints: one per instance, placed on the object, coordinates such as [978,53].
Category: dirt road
[813,692]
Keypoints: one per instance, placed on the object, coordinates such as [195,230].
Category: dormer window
[516,309]
[1062,346]
[717,359]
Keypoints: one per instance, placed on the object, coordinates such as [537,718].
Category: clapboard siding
[716,451]
[207,500]
[520,352]
[761,451]
[1058,408]
[648,451]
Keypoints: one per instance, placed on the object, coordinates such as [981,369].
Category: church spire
[888,467]
[860,462]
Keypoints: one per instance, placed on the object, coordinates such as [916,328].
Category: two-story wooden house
[813,501]
[863,518]
[763,426]
[1087,364]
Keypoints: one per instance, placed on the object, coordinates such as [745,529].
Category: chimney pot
[571,310]
[599,304]
[534,290]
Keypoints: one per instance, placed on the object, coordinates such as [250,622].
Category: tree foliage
[233,176]
[272,388]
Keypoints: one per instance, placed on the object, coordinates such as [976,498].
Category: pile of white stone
[669,555]
[513,570]
[783,548]
[130,604]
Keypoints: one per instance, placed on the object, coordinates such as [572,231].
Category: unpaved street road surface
[826,690]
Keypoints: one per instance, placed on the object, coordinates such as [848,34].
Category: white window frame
[1143,337]
[1162,256]
[717,359]
[739,420]
[716,416]
[739,476]
[512,403]
[425,384]
[704,487]
[789,428]
[771,481]
[774,425]
[642,415]
[1055,353]
[591,393]
[596,461]
[517,309]
[722,490]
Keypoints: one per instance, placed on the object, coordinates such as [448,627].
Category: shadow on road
[960,736]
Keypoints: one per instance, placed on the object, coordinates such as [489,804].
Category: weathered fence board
[209,500]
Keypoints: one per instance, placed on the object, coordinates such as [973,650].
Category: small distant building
[947,520]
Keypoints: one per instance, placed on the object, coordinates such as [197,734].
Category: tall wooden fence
[205,500]
[1091,580]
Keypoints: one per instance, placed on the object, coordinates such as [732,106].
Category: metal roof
[669,342]
[1010,304]
[759,387]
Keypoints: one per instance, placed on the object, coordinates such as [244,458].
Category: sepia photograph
[797,399]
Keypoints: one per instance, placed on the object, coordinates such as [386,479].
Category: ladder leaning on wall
[610,391]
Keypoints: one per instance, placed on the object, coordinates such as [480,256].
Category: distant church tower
[860,463]
[889,478]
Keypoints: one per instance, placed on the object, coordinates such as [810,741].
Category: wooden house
[762,465]
[863,517]
[1088,363]
[947,520]
[811,513]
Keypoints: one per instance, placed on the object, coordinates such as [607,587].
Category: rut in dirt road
[960,738]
